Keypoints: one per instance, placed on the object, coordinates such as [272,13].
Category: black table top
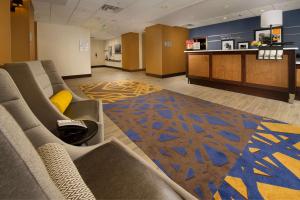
[78,138]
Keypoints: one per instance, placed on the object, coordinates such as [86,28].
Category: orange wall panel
[164,49]
[5,32]
[153,49]
[23,33]
[130,51]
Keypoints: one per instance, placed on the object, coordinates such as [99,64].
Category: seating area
[149,100]
[98,165]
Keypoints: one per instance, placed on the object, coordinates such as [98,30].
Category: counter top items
[270,53]
[243,45]
[272,21]
[189,44]
[263,35]
[196,43]
[227,44]
[206,51]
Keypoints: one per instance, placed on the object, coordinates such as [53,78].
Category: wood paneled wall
[130,51]
[298,77]
[267,72]
[198,65]
[174,58]
[5,32]
[227,67]
[153,49]
[162,59]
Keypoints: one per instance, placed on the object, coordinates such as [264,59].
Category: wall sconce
[14,4]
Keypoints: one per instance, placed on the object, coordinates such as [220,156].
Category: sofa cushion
[112,173]
[63,172]
[86,109]
[62,100]
[23,174]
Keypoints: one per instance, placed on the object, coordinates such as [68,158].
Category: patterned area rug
[212,150]
[113,91]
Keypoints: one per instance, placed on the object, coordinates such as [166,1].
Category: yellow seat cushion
[62,100]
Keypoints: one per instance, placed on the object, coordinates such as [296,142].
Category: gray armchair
[38,81]
[110,169]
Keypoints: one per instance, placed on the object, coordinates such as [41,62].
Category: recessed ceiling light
[262,10]
[224,17]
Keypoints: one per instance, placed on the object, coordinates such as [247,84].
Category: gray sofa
[110,169]
[38,81]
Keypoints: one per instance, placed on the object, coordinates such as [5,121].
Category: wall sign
[84,45]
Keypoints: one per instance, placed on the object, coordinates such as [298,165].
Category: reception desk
[240,71]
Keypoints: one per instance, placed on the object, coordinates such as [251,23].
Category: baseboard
[106,66]
[166,75]
[119,68]
[76,76]
[133,70]
[98,66]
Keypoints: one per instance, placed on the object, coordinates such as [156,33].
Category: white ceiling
[137,14]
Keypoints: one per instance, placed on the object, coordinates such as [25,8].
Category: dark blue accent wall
[243,30]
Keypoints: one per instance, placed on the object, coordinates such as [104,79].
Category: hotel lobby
[136,99]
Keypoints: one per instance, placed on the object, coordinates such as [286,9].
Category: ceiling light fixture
[224,17]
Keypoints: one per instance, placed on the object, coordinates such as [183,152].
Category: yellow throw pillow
[62,100]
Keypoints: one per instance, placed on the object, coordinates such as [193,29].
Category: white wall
[141,50]
[60,43]
[97,48]
[114,56]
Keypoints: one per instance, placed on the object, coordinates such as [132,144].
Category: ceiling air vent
[110,8]
[188,25]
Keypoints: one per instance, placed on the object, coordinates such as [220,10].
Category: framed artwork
[118,49]
[263,35]
[227,44]
[243,45]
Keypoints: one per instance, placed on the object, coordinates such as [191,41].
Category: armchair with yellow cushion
[41,85]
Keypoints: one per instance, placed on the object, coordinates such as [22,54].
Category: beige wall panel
[60,43]
[267,72]
[227,67]
[199,65]
[97,52]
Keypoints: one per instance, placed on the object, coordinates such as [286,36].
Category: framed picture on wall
[227,44]
[243,45]
[263,35]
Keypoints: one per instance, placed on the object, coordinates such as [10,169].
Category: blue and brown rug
[211,150]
